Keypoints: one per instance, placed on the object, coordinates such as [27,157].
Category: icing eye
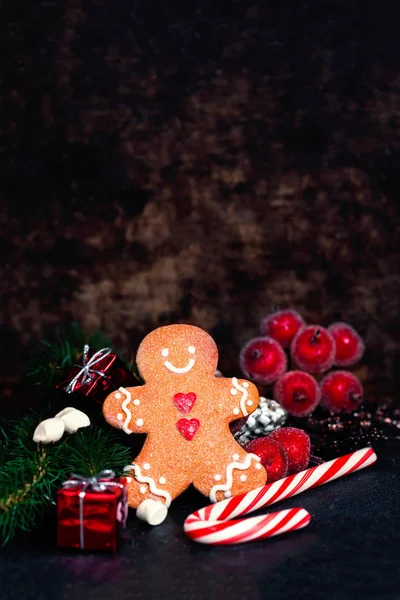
[165,351]
[191,349]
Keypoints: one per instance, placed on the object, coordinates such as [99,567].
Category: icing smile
[174,369]
[168,364]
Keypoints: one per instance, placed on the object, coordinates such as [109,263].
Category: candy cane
[213,524]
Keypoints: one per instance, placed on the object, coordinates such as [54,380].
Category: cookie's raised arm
[243,396]
[127,409]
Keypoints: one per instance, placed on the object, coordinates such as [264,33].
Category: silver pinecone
[269,415]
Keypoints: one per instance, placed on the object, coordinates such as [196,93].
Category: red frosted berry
[282,326]
[297,392]
[349,345]
[263,359]
[341,391]
[313,349]
[237,425]
[297,445]
[273,456]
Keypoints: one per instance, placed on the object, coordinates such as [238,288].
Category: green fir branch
[24,482]
[31,473]
[92,450]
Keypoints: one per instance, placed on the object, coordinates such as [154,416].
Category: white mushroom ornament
[68,420]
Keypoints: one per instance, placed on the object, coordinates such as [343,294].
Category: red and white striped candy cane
[214,525]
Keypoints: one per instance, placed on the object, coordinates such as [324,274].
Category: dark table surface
[350,550]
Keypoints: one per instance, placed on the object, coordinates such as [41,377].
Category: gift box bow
[86,371]
[103,481]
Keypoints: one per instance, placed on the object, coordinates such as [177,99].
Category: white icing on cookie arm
[126,409]
[244,396]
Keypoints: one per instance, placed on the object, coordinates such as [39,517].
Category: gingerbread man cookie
[185,411]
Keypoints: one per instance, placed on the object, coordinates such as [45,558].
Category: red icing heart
[184,402]
[188,428]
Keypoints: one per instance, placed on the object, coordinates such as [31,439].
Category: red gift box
[99,374]
[91,511]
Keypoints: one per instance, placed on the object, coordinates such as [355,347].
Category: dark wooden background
[200,162]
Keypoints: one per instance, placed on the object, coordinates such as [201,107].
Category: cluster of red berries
[314,350]
[283,452]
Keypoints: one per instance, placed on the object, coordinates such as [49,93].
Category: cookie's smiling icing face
[177,350]
[179,370]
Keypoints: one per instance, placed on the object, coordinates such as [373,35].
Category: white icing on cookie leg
[229,477]
[150,482]
[152,511]
[242,389]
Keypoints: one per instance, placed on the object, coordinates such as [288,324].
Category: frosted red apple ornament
[273,456]
[297,444]
[313,349]
[283,452]
[297,392]
[341,392]
[263,359]
[349,345]
[282,326]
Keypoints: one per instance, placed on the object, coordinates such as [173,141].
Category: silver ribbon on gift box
[86,368]
[100,482]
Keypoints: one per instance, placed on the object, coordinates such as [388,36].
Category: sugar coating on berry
[297,445]
[341,391]
[263,359]
[282,326]
[349,344]
[297,392]
[313,349]
[273,456]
